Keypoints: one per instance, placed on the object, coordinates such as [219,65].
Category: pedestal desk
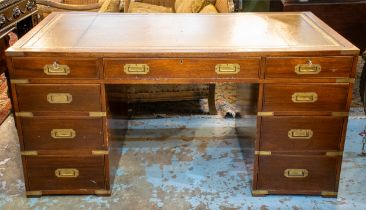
[61,71]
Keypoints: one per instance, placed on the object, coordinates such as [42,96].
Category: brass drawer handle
[56,69]
[227,68]
[67,173]
[296,173]
[136,68]
[308,68]
[308,97]
[300,134]
[59,98]
[63,133]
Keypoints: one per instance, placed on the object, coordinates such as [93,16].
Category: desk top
[178,34]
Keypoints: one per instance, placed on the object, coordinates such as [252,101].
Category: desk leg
[363,83]
[211,99]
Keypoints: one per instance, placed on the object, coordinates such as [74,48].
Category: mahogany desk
[62,69]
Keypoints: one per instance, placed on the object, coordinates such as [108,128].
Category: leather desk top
[182,34]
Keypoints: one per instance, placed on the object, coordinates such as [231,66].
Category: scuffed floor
[193,162]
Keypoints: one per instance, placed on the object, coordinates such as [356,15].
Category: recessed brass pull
[56,69]
[136,68]
[67,173]
[300,134]
[308,97]
[308,68]
[63,133]
[59,98]
[227,68]
[296,173]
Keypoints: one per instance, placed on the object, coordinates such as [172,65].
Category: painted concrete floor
[192,162]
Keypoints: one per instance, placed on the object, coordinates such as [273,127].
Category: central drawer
[62,134]
[58,97]
[65,172]
[182,68]
[305,97]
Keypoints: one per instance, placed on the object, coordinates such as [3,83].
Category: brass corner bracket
[100,152]
[340,114]
[263,114]
[23,114]
[33,193]
[19,81]
[263,153]
[328,193]
[346,80]
[260,192]
[29,153]
[97,114]
[333,154]
[102,192]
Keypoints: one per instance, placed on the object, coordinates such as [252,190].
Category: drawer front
[65,173]
[55,68]
[306,97]
[301,133]
[312,67]
[181,68]
[297,174]
[58,97]
[62,134]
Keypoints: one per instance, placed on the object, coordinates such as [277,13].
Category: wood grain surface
[88,134]
[284,67]
[327,133]
[34,97]
[41,172]
[330,97]
[322,174]
[182,68]
[82,68]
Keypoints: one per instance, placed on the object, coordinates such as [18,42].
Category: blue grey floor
[184,163]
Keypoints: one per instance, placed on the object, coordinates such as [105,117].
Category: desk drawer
[62,134]
[65,172]
[301,133]
[299,67]
[305,97]
[182,68]
[55,68]
[285,174]
[58,97]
